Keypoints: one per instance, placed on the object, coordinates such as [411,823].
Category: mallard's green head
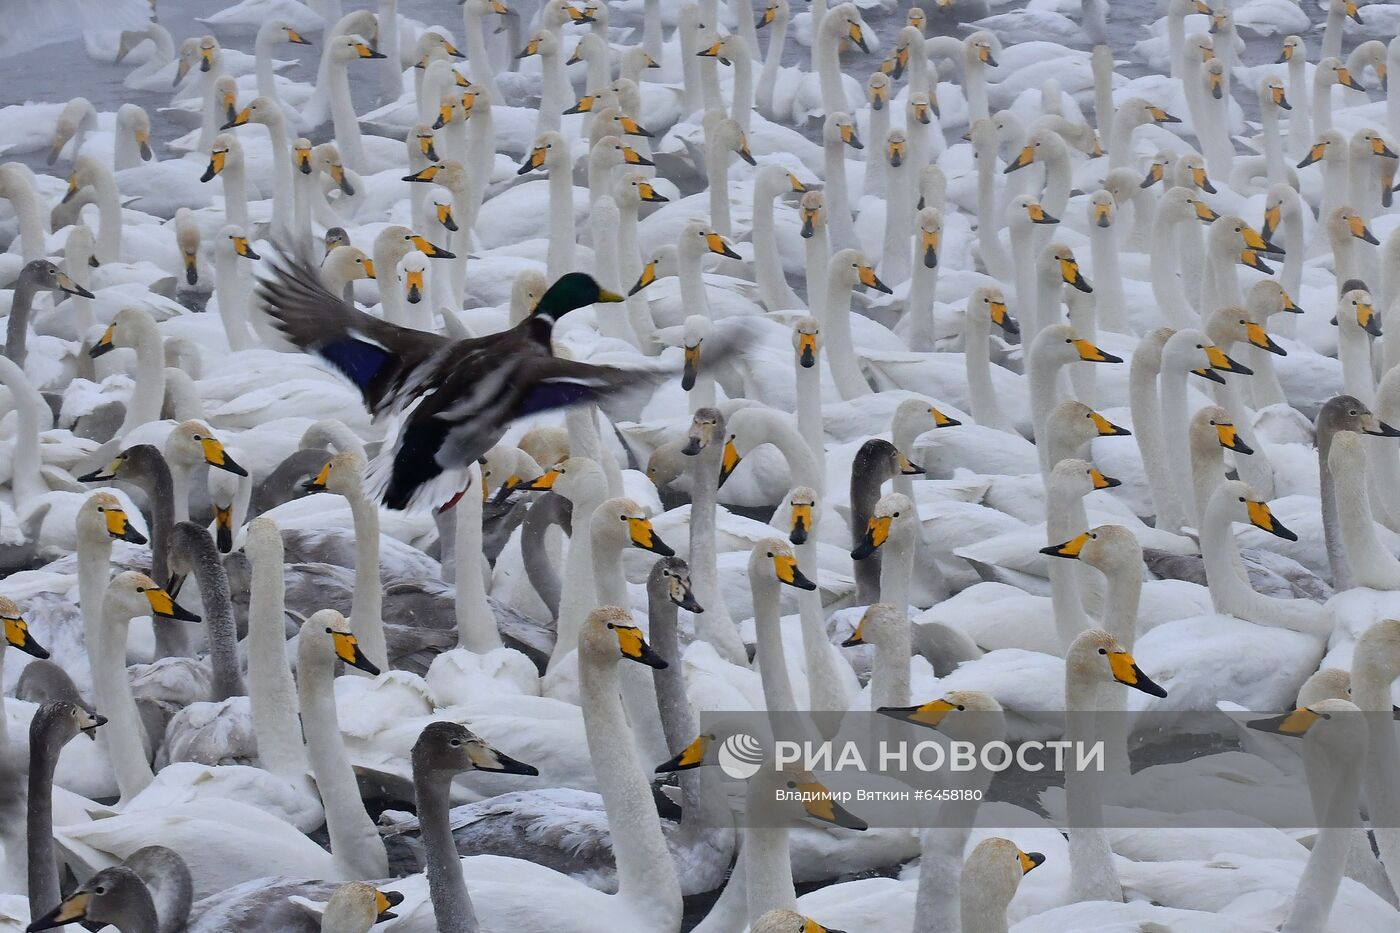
[571,291]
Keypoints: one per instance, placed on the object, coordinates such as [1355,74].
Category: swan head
[991,300]
[896,144]
[802,514]
[134,594]
[1346,8]
[1231,234]
[1241,504]
[968,715]
[1334,683]
[775,10]
[788,921]
[1193,351]
[1344,223]
[806,340]
[1213,429]
[110,896]
[224,150]
[41,273]
[849,268]
[773,559]
[706,429]
[622,522]
[812,211]
[16,630]
[348,263]
[358,905]
[343,474]
[130,328]
[1077,478]
[447,748]
[102,516]
[1369,142]
[133,119]
[877,90]
[542,43]
[334,237]
[1333,730]
[1348,413]
[328,160]
[1076,424]
[57,721]
[1214,76]
[191,443]
[1200,48]
[1292,46]
[550,151]
[1267,297]
[262,110]
[1333,71]
[1098,657]
[1356,305]
[881,623]
[263,542]
[839,128]
[894,517]
[327,633]
[1108,548]
[609,634]
[982,48]
[1057,262]
[993,873]
[1026,209]
[576,479]
[670,578]
[413,271]
[349,48]
[1156,171]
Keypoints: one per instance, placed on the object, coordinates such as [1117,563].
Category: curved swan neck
[272,697]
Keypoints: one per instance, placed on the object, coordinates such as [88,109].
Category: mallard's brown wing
[375,355]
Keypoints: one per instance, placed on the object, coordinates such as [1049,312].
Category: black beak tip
[192,275]
[691,604]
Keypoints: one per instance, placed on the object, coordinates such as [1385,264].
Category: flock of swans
[350,437]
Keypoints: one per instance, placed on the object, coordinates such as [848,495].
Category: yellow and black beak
[105,344]
[1002,318]
[1154,175]
[869,279]
[1099,481]
[1295,723]
[1345,79]
[1216,82]
[181,69]
[1229,437]
[849,137]
[1069,549]
[217,159]
[879,96]
[713,52]
[295,37]
[1024,158]
[413,284]
[223,528]
[807,350]
[584,104]
[241,118]
[1377,428]
[1255,241]
[729,461]
[649,194]
[1315,154]
[821,804]
[543,482]
[206,59]
[71,910]
[643,536]
[1280,99]
[119,526]
[444,216]
[929,244]
[635,648]
[1069,272]
[425,146]
[1220,361]
[857,35]
[485,758]
[104,473]
[337,172]
[385,902]
[301,158]
[1103,215]
[445,112]
[17,636]
[534,161]
[632,128]
[1040,215]
[801,523]
[1251,259]
[143,144]
[1358,229]
[1378,147]
[1273,216]
[1126,671]
[1090,353]
[1161,116]
[1107,428]
[1029,861]
[785,568]
[429,172]
[1259,337]
[984,54]
[89,723]
[241,247]
[744,152]
[929,714]
[720,246]
[364,51]
[347,648]
[691,369]
[318,482]
[163,606]
[809,223]
[857,637]
[216,456]
[877,532]
[631,156]
[646,278]
[692,756]
[428,249]
[1260,517]
[769,14]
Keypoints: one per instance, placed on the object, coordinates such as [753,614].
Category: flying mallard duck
[450,401]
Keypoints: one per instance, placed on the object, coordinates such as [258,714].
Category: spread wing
[462,415]
[375,355]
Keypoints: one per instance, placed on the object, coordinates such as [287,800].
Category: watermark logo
[740,756]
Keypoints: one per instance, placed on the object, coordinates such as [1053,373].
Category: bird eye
[896,515]
[961,707]
[455,743]
[610,625]
[770,553]
[622,518]
[1103,651]
[1241,498]
[99,890]
[1353,411]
